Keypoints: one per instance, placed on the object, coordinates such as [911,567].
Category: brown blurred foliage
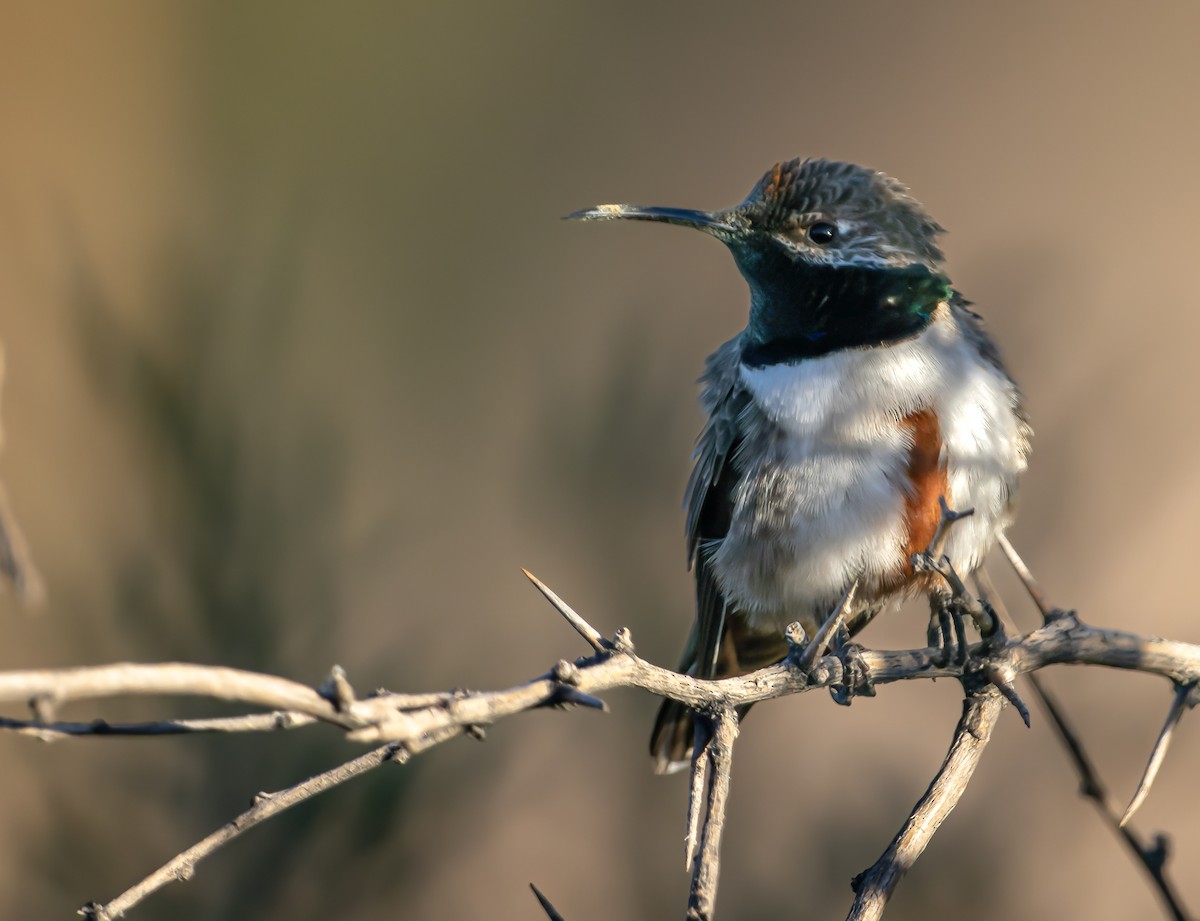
[302,366]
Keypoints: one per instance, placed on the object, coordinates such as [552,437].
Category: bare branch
[254,722]
[1178,706]
[401,717]
[407,724]
[706,869]
[266,805]
[53,687]
[1152,859]
[696,797]
[875,885]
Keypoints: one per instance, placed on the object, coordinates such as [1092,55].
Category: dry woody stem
[401,725]
[875,886]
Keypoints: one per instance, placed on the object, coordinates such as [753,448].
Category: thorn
[833,623]
[1159,752]
[567,696]
[1049,613]
[547,907]
[43,708]
[337,690]
[1004,685]
[581,626]
[400,753]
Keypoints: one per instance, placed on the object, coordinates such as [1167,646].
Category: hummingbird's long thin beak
[707,221]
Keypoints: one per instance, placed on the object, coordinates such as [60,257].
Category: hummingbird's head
[831,213]
[836,256]
[814,211]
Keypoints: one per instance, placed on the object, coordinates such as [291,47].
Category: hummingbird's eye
[822,233]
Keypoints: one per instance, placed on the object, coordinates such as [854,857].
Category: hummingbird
[862,392]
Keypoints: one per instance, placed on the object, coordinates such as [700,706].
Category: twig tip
[551,912]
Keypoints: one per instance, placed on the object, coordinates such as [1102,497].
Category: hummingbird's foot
[981,666]
[947,632]
[854,678]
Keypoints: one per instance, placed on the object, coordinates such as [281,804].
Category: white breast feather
[839,486]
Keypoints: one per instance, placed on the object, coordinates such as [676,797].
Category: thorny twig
[414,722]
[1152,858]
[829,629]
[403,717]
[874,886]
[718,752]
[251,722]
[981,710]
[266,805]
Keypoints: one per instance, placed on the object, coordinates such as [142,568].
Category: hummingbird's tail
[741,651]
[671,740]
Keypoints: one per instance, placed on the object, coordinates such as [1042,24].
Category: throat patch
[801,310]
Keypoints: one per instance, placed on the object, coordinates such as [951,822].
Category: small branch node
[399,753]
[1158,852]
[622,641]
[565,672]
[337,690]
[44,708]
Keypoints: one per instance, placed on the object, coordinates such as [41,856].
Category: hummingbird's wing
[972,326]
[709,498]
[708,502]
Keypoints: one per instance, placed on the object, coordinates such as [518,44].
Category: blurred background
[302,365]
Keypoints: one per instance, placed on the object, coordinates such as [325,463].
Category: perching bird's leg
[855,678]
[946,630]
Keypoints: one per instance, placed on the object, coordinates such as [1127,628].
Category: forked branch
[874,886]
[411,723]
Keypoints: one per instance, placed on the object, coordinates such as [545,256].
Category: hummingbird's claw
[855,678]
